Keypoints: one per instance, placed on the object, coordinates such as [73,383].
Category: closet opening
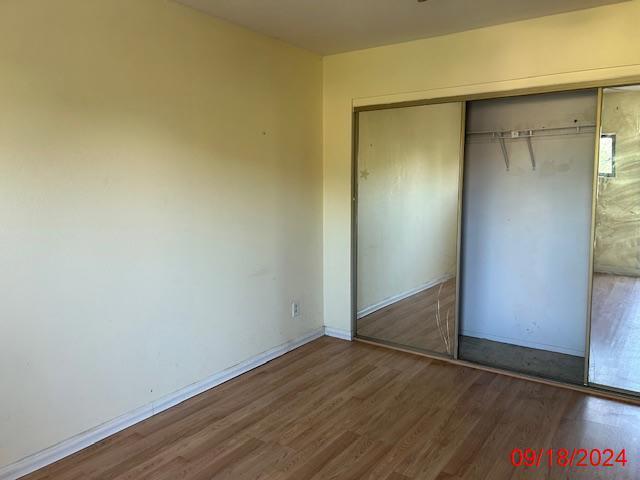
[526,229]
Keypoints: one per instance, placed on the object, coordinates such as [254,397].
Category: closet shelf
[528,134]
[537,132]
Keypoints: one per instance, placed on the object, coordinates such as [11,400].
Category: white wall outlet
[295,309]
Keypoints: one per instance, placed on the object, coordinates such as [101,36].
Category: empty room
[296,239]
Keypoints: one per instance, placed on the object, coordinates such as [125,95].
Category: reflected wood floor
[339,410]
[413,321]
[615,332]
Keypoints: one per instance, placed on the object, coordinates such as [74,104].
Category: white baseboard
[401,296]
[524,343]
[338,333]
[88,438]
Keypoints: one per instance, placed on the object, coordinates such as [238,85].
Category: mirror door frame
[587,382]
[592,242]
[355,124]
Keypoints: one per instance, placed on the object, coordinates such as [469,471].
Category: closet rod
[502,135]
[530,132]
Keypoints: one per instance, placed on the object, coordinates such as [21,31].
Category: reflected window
[607,162]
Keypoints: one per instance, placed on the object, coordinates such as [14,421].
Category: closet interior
[504,232]
[526,228]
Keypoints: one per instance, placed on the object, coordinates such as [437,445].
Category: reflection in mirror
[408,169]
[614,359]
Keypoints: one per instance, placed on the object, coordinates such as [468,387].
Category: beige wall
[617,222]
[409,170]
[160,207]
[161,187]
[601,43]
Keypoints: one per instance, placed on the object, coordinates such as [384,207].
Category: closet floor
[541,363]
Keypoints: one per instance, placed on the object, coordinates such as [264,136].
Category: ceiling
[333,26]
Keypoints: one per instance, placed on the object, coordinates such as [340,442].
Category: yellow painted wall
[160,207]
[594,44]
[161,187]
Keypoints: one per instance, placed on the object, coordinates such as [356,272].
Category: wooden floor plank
[424,320]
[342,410]
[615,332]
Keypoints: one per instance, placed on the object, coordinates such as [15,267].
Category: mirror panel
[614,359]
[408,185]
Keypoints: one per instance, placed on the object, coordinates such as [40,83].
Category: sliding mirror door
[614,359]
[407,181]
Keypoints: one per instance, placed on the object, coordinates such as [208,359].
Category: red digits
[582,458]
[529,457]
[622,457]
[516,457]
[565,458]
[608,457]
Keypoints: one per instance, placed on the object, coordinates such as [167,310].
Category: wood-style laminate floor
[412,322]
[424,320]
[339,410]
[615,332]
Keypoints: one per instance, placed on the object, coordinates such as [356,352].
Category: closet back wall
[526,233]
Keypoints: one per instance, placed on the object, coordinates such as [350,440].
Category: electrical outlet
[295,309]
